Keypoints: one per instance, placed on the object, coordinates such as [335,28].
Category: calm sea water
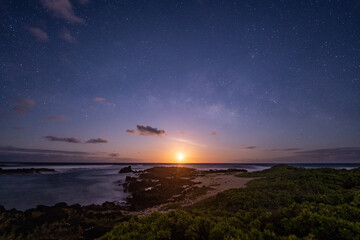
[89,183]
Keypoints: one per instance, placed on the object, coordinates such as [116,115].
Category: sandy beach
[218,182]
[215,182]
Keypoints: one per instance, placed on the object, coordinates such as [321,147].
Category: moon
[180,156]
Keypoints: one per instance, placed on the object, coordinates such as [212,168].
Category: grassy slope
[285,203]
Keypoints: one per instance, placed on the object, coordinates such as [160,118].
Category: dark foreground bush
[60,222]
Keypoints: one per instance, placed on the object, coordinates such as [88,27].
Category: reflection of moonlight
[180,157]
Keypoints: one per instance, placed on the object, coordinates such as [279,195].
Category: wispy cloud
[39,34]
[213,133]
[146,131]
[324,155]
[189,142]
[56,118]
[23,105]
[62,9]
[250,147]
[66,36]
[16,154]
[64,139]
[34,150]
[344,152]
[243,146]
[104,101]
[99,99]
[18,128]
[282,149]
[96,140]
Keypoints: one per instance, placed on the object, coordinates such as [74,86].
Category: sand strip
[218,182]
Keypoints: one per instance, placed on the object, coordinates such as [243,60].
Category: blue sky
[227,81]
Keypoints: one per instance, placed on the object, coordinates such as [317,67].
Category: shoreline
[201,185]
[180,193]
[208,183]
[213,183]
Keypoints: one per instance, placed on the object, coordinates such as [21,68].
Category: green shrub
[283,203]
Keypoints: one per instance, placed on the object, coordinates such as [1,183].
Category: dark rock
[158,185]
[126,170]
[135,186]
[130,179]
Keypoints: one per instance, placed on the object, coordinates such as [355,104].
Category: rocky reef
[126,170]
[148,188]
[159,185]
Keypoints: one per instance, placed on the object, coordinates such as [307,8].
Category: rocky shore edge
[151,190]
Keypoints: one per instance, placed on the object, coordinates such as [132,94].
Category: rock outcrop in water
[126,170]
[159,185]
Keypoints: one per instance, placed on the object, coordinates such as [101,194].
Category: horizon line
[188,162]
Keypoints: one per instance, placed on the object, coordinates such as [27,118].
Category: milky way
[225,81]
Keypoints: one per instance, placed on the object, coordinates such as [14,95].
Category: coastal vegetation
[282,202]
[60,222]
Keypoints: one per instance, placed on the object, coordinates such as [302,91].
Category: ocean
[89,183]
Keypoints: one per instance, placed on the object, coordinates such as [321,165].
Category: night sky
[219,81]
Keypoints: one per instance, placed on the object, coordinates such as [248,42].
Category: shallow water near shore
[89,183]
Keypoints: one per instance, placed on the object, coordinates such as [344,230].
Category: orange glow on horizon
[180,156]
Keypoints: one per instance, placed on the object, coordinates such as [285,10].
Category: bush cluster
[282,203]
